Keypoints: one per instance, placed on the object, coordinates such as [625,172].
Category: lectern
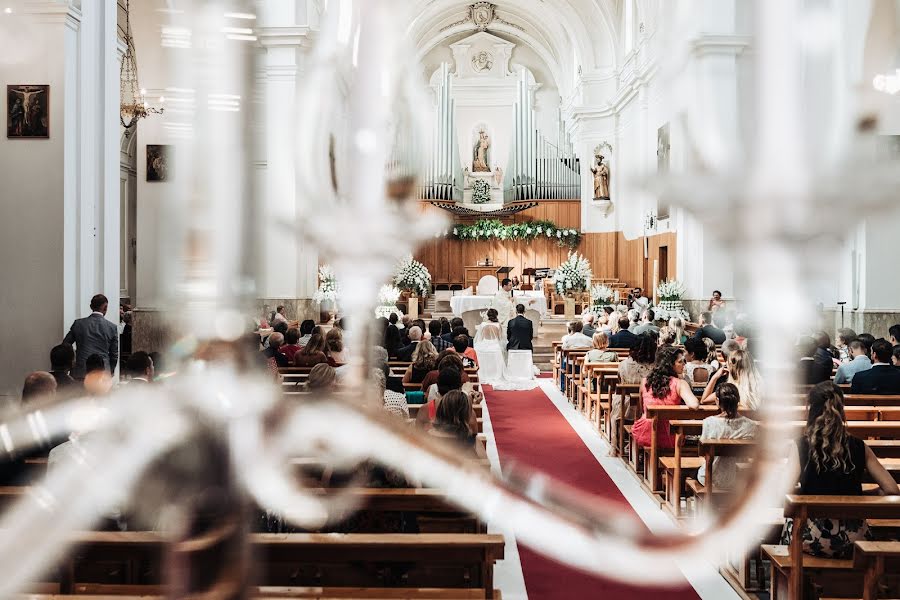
[503,272]
[529,273]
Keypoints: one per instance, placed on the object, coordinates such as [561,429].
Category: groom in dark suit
[519,331]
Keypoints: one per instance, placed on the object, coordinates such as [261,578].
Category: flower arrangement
[574,275]
[481,192]
[413,276]
[387,301]
[670,293]
[602,295]
[328,288]
[487,229]
[670,290]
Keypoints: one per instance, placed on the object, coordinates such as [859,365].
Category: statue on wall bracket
[601,177]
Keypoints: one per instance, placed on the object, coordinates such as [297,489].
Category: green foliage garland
[492,229]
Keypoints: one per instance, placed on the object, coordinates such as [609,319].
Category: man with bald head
[275,341]
[38,385]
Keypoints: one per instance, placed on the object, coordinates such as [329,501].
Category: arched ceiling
[559,31]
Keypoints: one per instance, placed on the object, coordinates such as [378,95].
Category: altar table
[534,300]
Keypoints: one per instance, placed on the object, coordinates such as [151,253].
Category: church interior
[436,299]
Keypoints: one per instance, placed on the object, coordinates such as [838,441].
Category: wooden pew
[461,561]
[875,559]
[789,563]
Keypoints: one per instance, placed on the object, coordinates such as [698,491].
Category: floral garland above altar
[495,230]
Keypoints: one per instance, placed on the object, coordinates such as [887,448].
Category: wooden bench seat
[288,560]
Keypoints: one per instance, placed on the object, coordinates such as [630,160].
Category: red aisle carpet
[529,429]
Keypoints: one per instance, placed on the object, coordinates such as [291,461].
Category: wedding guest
[696,370]
[423,360]
[62,361]
[139,368]
[715,303]
[632,370]
[858,362]
[392,341]
[600,352]
[882,378]
[334,344]
[666,337]
[894,335]
[97,379]
[624,338]
[434,328]
[274,358]
[676,324]
[895,356]
[455,323]
[38,385]
[663,385]
[312,354]
[415,336]
[279,316]
[729,424]
[291,344]
[867,340]
[647,318]
[446,359]
[603,324]
[809,370]
[94,335]
[844,337]
[445,326]
[322,378]
[826,354]
[306,331]
[576,339]
[741,371]
[393,402]
[831,462]
[712,354]
[462,347]
[455,420]
[449,379]
[709,330]
[587,327]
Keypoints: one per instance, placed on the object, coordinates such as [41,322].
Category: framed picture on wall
[159,162]
[28,111]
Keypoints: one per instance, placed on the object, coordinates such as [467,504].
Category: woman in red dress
[663,385]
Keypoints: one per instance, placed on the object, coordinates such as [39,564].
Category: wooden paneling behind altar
[611,255]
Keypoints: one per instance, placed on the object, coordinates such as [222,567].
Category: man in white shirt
[502,303]
[279,316]
[576,340]
[639,301]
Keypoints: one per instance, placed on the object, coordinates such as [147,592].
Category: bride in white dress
[490,346]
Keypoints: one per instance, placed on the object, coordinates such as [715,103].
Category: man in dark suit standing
[709,330]
[623,339]
[520,331]
[883,378]
[94,335]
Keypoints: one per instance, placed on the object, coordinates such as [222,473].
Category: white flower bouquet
[328,290]
[413,276]
[574,275]
[602,295]
[387,301]
[670,290]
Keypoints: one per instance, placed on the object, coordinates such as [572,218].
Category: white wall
[60,213]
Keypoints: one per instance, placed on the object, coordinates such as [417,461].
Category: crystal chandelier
[132,105]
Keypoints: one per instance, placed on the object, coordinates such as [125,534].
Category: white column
[289,266]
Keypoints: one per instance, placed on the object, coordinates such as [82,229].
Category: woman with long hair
[454,419]
[676,324]
[312,354]
[334,345]
[632,370]
[741,371]
[424,358]
[831,462]
[663,385]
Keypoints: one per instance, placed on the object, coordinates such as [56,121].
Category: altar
[533,300]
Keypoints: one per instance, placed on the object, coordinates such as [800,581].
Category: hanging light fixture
[132,104]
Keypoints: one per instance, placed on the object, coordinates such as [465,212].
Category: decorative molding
[482,15]
[292,37]
[711,44]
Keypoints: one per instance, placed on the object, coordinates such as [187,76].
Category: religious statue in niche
[601,179]
[498,175]
[481,153]
[482,62]
[662,149]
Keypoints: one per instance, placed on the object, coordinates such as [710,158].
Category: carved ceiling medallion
[483,61]
[482,15]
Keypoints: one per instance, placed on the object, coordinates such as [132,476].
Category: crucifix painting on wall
[28,111]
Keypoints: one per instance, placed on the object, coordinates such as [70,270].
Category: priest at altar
[503,304]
